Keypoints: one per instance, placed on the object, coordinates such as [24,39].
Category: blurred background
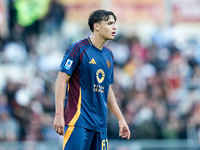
[157,70]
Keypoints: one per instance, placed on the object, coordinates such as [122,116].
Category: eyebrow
[110,22]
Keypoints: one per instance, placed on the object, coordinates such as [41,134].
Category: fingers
[120,132]
[59,125]
[124,136]
[59,129]
[124,133]
[128,135]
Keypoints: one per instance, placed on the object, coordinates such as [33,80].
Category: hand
[124,131]
[59,124]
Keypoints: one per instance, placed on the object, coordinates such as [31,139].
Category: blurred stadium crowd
[157,84]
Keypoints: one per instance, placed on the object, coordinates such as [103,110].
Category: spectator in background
[170,91]
[9,126]
[54,17]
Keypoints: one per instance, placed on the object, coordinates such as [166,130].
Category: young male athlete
[87,68]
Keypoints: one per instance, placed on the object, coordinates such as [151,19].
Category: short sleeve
[112,77]
[70,60]
[112,72]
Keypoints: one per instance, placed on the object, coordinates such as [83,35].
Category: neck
[97,41]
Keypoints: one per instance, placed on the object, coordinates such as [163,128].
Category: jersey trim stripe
[73,97]
[68,87]
[81,44]
[89,41]
[73,49]
[72,122]
[77,47]
[81,56]
[110,52]
[67,135]
[78,112]
[80,47]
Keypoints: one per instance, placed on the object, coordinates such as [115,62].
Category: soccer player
[81,105]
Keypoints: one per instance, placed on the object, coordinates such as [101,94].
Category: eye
[110,23]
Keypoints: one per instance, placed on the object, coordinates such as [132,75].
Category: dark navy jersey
[91,72]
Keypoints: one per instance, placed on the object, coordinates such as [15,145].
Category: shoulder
[81,43]
[78,47]
[109,51]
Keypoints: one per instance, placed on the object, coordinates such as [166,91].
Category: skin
[103,31]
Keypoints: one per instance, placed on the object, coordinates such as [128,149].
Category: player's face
[108,28]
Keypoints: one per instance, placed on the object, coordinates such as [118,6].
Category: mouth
[113,33]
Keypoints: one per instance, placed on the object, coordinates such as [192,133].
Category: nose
[114,27]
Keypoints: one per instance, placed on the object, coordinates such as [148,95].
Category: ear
[96,26]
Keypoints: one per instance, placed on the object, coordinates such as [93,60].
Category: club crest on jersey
[108,63]
[68,64]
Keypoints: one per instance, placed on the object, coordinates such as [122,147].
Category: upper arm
[110,89]
[71,59]
[110,96]
[62,77]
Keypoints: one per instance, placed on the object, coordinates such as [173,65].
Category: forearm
[60,89]
[124,131]
[113,106]
[59,97]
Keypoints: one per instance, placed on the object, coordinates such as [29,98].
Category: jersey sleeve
[112,74]
[112,77]
[70,60]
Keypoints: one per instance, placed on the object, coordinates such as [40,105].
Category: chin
[111,38]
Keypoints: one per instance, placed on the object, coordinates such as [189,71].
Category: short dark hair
[98,16]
